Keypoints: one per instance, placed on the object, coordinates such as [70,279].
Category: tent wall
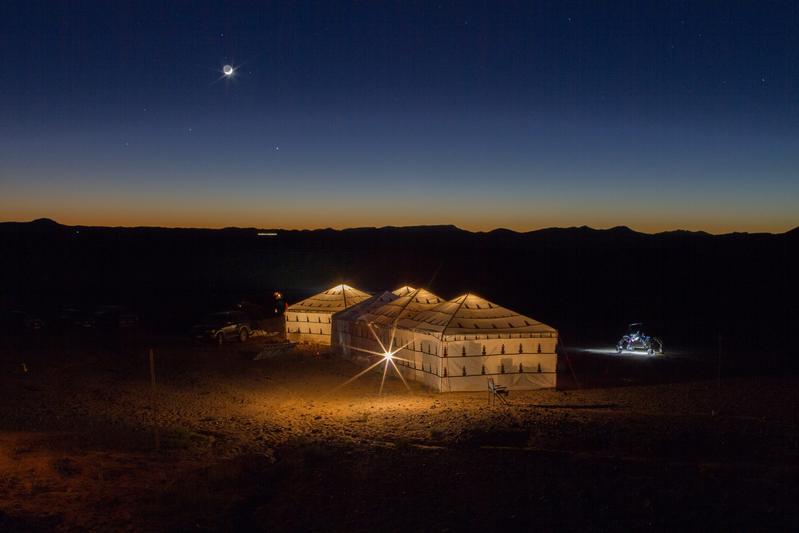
[460,364]
[308,327]
[341,336]
[346,337]
[455,345]
[310,320]
[351,338]
[354,339]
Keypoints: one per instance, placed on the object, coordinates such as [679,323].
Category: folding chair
[496,391]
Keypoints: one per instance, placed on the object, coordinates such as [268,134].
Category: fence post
[153,400]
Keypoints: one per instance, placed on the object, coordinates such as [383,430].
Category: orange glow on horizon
[311,223]
[293,215]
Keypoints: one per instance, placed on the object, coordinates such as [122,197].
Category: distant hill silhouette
[45,222]
[588,283]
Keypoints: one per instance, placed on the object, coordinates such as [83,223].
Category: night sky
[655,115]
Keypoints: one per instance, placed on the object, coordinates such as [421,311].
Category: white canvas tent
[359,328]
[405,290]
[310,319]
[458,344]
[386,318]
[344,322]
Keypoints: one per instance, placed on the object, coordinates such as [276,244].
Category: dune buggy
[635,339]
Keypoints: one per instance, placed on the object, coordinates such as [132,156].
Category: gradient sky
[655,115]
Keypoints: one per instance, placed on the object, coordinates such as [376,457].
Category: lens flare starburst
[387,356]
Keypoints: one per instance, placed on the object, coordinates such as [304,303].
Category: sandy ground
[226,443]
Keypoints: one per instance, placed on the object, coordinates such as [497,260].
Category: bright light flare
[388,355]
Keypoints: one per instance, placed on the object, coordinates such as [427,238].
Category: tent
[310,319]
[384,319]
[344,322]
[405,290]
[458,344]
[368,327]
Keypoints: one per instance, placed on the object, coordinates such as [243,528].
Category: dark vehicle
[74,318]
[224,326]
[19,322]
[18,328]
[111,317]
[636,339]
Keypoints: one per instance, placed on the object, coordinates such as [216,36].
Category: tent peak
[335,298]
[469,314]
[404,290]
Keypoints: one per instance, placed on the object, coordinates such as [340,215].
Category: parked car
[73,317]
[224,326]
[18,322]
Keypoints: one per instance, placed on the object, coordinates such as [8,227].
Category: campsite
[406,266]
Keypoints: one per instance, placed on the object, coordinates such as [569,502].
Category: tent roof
[332,300]
[366,306]
[404,307]
[470,315]
[404,290]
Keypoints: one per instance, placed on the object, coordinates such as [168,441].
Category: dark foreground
[225,443]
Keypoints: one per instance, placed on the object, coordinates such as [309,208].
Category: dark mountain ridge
[48,222]
[692,286]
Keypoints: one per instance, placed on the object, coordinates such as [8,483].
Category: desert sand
[225,442]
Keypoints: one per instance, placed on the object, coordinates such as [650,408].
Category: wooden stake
[153,400]
[718,380]
[152,370]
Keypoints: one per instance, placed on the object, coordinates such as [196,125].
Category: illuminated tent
[344,322]
[385,318]
[458,344]
[310,319]
[369,327]
[403,291]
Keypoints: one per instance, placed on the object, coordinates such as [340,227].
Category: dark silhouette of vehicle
[636,339]
[75,318]
[18,328]
[18,322]
[115,317]
[224,326]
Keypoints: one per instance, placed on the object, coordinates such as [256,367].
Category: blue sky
[522,115]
